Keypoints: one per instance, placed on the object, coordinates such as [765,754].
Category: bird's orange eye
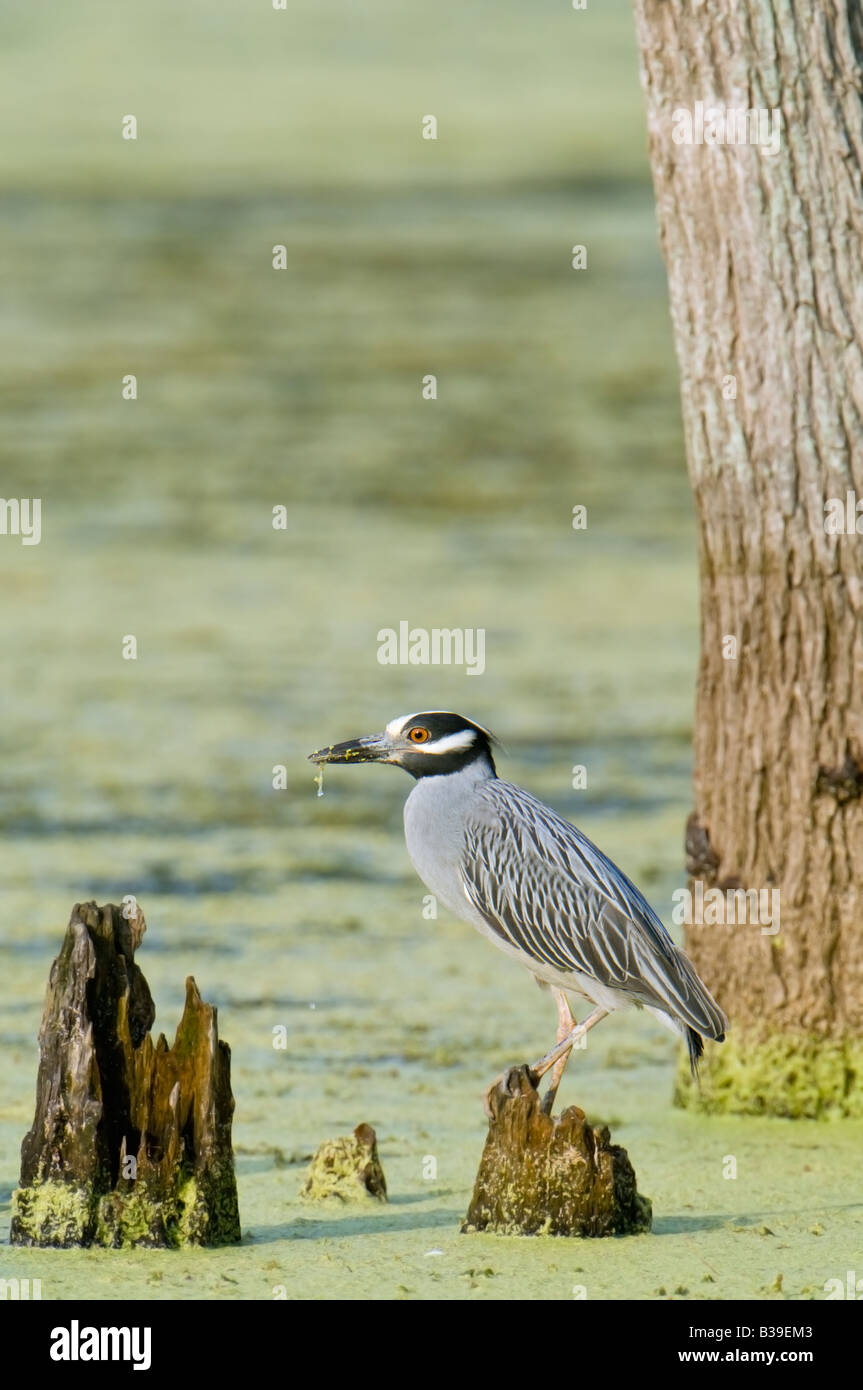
[419,735]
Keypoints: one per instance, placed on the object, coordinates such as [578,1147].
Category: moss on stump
[348,1169]
[544,1176]
[131,1141]
[794,1076]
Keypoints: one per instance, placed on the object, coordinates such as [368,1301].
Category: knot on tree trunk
[845,782]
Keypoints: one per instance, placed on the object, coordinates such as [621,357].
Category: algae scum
[343,1004]
[300,918]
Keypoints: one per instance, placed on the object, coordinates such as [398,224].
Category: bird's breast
[434,836]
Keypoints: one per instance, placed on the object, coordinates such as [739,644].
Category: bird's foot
[533,1074]
[510,1083]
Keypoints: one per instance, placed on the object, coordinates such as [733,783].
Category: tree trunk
[131,1140]
[554,1177]
[764,255]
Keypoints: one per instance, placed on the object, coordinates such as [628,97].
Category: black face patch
[440,723]
[425,762]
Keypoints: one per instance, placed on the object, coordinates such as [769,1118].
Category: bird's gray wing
[545,889]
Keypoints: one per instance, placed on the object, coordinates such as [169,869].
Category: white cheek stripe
[451,743]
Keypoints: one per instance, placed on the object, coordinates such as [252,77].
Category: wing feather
[545,889]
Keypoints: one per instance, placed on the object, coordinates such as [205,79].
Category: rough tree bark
[131,1140]
[764,256]
[555,1177]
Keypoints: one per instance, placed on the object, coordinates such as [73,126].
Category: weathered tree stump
[131,1141]
[545,1176]
[347,1168]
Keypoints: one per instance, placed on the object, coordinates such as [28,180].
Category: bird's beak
[375,748]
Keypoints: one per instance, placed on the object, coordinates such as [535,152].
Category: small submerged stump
[348,1169]
[545,1176]
[131,1142]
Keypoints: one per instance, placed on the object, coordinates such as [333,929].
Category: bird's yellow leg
[564,1045]
[566,1024]
[559,1053]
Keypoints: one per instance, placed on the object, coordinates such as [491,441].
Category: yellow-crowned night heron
[532,883]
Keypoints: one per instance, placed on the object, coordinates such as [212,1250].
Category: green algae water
[300,916]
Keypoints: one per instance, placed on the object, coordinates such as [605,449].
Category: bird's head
[425,745]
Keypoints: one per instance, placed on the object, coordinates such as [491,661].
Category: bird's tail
[703,1008]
